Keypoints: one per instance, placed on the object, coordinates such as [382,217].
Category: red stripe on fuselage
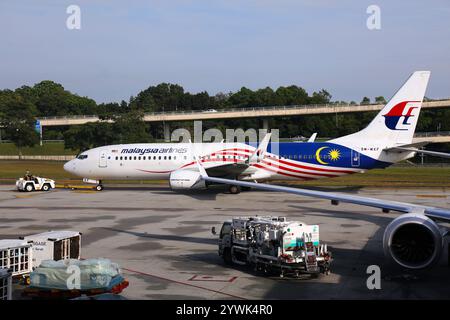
[314,168]
[283,173]
[300,171]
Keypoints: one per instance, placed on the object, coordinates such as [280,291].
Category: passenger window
[174,157]
[117,157]
[139,158]
[144,157]
[120,158]
[159,158]
[170,158]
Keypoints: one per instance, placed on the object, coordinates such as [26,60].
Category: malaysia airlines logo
[400,110]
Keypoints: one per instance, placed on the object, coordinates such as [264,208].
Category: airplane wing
[386,205]
[235,169]
[227,170]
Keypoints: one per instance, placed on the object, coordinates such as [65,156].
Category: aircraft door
[355,158]
[103,160]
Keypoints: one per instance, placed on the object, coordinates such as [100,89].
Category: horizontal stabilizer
[426,152]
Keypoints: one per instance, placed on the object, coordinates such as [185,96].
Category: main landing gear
[234,189]
[99,187]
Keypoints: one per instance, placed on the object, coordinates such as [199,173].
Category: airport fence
[44,158]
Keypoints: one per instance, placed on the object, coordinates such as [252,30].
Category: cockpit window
[82,156]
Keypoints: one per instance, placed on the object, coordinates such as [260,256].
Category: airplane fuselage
[282,161]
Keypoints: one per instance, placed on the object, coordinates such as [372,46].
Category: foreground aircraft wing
[386,205]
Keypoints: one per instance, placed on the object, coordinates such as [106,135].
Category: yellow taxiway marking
[27,196]
[70,186]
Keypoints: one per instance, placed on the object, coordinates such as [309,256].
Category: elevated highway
[260,112]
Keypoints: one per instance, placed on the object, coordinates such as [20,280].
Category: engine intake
[413,241]
[185,180]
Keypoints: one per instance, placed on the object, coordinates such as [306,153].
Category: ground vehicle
[274,245]
[31,183]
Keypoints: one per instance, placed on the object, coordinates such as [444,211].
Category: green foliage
[20,107]
[126,128]
[17,119]
[365,100]
[380,100]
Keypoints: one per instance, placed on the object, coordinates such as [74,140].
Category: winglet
[313,137]
[201,169]
[197,158]
[259,153]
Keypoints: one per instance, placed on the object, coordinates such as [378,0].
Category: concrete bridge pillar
[166,128]
[265,123]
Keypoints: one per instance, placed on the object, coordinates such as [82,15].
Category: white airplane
[413,240]
[385,141]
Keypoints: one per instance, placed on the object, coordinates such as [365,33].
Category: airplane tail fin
[396,122]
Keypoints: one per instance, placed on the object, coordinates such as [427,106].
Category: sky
[124,47]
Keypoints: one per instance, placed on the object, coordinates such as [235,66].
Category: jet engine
[413,241]
[186,179]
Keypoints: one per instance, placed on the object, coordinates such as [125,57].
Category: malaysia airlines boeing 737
[385,141]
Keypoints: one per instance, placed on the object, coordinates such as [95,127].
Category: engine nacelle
[186,179]
[413,241]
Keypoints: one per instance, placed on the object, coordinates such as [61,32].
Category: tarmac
[163,242]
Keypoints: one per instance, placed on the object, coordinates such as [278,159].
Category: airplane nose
[69,166]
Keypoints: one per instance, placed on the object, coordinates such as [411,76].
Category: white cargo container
[16,255]
[55,245]
[5,284]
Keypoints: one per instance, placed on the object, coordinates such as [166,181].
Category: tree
[365,101]
[131,128]
[321,97]
[17,117]
[380,100]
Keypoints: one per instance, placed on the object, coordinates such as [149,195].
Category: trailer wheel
[46,187]
[29,187]
[227,256]
[235,189]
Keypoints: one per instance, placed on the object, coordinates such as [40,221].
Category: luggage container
[96,276]
[5,284]
[55,245]
[16,255]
